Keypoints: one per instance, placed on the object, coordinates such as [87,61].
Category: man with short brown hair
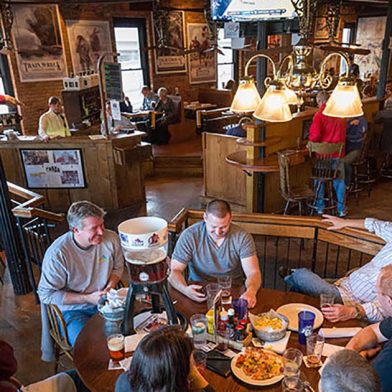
[53,122]
[215,247]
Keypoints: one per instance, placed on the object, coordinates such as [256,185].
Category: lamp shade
[273,107]
[246,98]
[291,96]
[345,101]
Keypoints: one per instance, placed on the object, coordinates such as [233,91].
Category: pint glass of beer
[116,347]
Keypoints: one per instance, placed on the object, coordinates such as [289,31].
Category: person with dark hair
[53,123]
[354,72]
[78,269]
[347,371]
[163,362]
[215,247]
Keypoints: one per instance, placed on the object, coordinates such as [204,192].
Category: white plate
[291,312]
[238,372]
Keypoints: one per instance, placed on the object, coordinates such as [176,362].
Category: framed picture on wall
[53,168]
[202,65]
[39,44]
[169,60]
[320,29]
[88,40]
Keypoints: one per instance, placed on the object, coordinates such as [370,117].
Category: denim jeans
[305,281]
[75,320]
[339,186]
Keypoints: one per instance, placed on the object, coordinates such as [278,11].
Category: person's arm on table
[340,223]
[177,280]
[251,268]
[10,100]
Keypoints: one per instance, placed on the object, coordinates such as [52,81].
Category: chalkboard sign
[113,81]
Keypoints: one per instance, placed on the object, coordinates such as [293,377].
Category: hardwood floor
[20,323]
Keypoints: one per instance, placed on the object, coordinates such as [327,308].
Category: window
[130,35]
[226,61]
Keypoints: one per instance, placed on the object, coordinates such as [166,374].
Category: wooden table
[91,356]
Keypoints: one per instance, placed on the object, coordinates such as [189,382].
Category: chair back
[286,159]
[58,330]
[177,101]
[326,157]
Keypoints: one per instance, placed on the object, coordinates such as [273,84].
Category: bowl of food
[269,326]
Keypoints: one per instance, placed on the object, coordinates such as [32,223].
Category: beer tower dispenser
[144,244]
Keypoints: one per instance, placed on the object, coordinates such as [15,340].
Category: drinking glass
[240,306]
[116,346]
[314,348]
[305,325]
[225,284]
[199,329]
[223,340]
[292,384]
[292,361]
[212,290]
[326,300]
[200,360]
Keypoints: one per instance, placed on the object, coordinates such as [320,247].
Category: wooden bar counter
[112,169]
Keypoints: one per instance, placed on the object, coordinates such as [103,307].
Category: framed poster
[88,39]
[202,65]
[320,29]
[166,59]
[39,44]
[53,168]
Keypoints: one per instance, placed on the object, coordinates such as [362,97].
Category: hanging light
[291,96]
[247,97]
[345,100]
[274,106]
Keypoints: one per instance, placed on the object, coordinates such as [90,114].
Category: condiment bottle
[210,321]
[224,318]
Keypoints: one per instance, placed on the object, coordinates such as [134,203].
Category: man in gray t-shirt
[212,248]
[81,266]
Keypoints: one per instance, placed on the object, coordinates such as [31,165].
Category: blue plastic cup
[305,325]
[240,306]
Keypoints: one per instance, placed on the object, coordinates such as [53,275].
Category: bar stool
[299,195]
[326,168]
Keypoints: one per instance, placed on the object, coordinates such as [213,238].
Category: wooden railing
[295,242]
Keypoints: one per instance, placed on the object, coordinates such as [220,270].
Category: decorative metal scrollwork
[7,18]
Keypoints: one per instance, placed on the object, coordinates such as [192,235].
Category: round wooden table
[91,356]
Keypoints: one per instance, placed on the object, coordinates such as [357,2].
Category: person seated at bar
[370,87]
[80,266]
[355,136]
[354,72]
[355,294]
[347,371]
[53,123]
[212,248]
[368,340]
[9,100]
[326,129]
[150,98]
[115,126]
[163,362]
[125,104]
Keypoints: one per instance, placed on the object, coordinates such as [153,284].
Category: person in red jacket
[326,129]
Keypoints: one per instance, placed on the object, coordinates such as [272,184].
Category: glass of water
[292,360]
[292,384]
[225,283]
[199,329]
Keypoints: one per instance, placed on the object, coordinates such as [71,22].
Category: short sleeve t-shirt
[386,328]
[206,260]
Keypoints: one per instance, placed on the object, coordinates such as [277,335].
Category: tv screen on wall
[250,10]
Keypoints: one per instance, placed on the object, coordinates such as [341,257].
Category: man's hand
[337,223]
[193,292]
[370,353]
[45,138]
[94,297]
[12,101]
[250,297]
[354,122]
[339,312]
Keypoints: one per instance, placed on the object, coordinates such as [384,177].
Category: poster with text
[53,168]
[202,63]
[38,42]
[88,40]
[170,60]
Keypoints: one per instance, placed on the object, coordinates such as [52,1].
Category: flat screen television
[249,10]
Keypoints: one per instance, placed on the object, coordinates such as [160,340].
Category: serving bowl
[269,334]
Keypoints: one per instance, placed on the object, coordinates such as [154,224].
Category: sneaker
[342,214]
[284,271]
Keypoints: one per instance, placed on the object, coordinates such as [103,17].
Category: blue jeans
[339,186]
[75,320]
[383,366]
[305,281]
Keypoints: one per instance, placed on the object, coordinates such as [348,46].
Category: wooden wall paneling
[221,179]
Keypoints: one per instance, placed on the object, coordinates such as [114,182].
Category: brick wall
[35,94]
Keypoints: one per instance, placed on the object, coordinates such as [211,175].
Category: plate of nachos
[257,366]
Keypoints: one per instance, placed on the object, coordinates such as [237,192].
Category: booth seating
[215,120]
[222,98]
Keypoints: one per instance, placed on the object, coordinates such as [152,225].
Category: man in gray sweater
[81,266]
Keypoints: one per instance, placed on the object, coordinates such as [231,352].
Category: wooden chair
[299,195]
[325,170]
[58,332]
